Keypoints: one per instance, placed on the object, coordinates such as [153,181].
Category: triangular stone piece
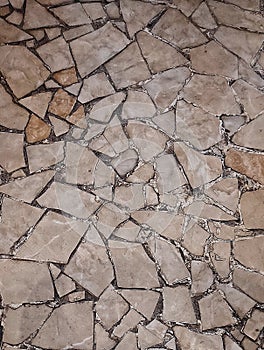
[38,103]
[36,16]
[10,33]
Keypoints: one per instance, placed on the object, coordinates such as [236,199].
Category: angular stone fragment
[247,73]
[64,285]
[166,122]
[130,197]
[159,55]
[125,162]
[202,276]
[230,344]
[220,255]
[37,103]
[186,6]
[72,14]
[128,67]
[203,17]
[23,71]
[233,123]
[53,239]
[25,289]
[178,305]
[22,322]
[102,111]
[70,325]
[62,104]
[66,77]
[249,251]
[69,199]
[252,5]
[94,10]
[90,265]
[128,342]
[142,174]
[37,130]
[151,335]
[198,167]
[196,126]
[95,86]
[111,307]
[76,32]
[36,16]
[212,93]
[138,105]
[59,126]
[11,151]
[9,33]
[249,164]
[251,135]
[177,29]
[130,320]
[165,87]
[207,211]
[102,340]
[195,238]
[130,259]
[253,326]
[215,311]
[93,49]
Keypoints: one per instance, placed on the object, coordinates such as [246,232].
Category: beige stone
[17,4]
[177,29]
[202,276]
[59,127]
[249,252]
[37,130]
[94,10]
[230,344]
[128,342]
[32,186]
[164,88]
[138,105]
[76,296]
[62,104]
[215,311]
[22,287]
[103,110]
[169,260]
[201,209]
[249,164]
[93,49]
[233,123]
[130,197]
[167,122]
[10,33]
[251,134]
[53,239]
[220,256]
[142,174]
[246,4]
[78,118]
[125,162]
[190,340]
[66,77]
[36,16]
[128,67]
[95,86]
[23,71]
[111,307]
[196,126]
[195,238]
[22,322]
[72,14]
[150,337]
[212,93]
[129,321]
[253,326]
[115,135]
[102,340]
[37,103]
[90,265]
[12,116]
[198,167]
[64,285]
[159,55]
[249,344]
[203,17]
[178,305]
[11,151]
[130,259]
[70,325]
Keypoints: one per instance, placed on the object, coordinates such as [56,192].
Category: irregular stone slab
[251,134]
[138,14]
[239,301]
[251,283]
[233,16]
[207,211]
[225,192]
[95,86]
[203,17]
[198,167]
[166,122]
[17,219]
[59,126]
[11,151]
[72,14]
[111,307]
[247,73]
[125,162]
[23,71]
[102,340]
[190,340]
[66,77]
[152,48]
[177,29]
[22,322]
[142,174]
[53,239]
[128,67]
[12,116]
[250,97]
[130,197]
[90,265]
[56,54]
[212,58]
[64,285]
[249,252]
[230,344]
[249,164]
[187,6]
[102,111]
[62,104]
[178,305]
[251,328]
[149,141]
[215,311]
[151,335]
[37,130]
[37,103]
[246,4]
[233,123]
[130,320]
[169,259]
[10,33]
[129,342]
[202,277]
[43,156]
[25,289]
[76,32]
[195,238]
[92,50]
[212,93]
[70,325]
[69,199]
[164,88]
[36,16]
[130,259]
[220,257]
[32,186]
[144,301]
[196,126]
[243,43]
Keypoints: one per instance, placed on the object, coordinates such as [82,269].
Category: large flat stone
[11,151]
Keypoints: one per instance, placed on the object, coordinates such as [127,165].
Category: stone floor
[132,174]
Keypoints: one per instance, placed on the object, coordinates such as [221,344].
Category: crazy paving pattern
[132,173]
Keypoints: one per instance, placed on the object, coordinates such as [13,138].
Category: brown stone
[220,257]
[11,151]
[78,118]
[251,283]
[249,252]
[129,321]
[36,16]
[37,103]
[72,14]
[253,326]
[10,33]
[203,17]
[195,238]
[62,104]
[37,130]
[66,77]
